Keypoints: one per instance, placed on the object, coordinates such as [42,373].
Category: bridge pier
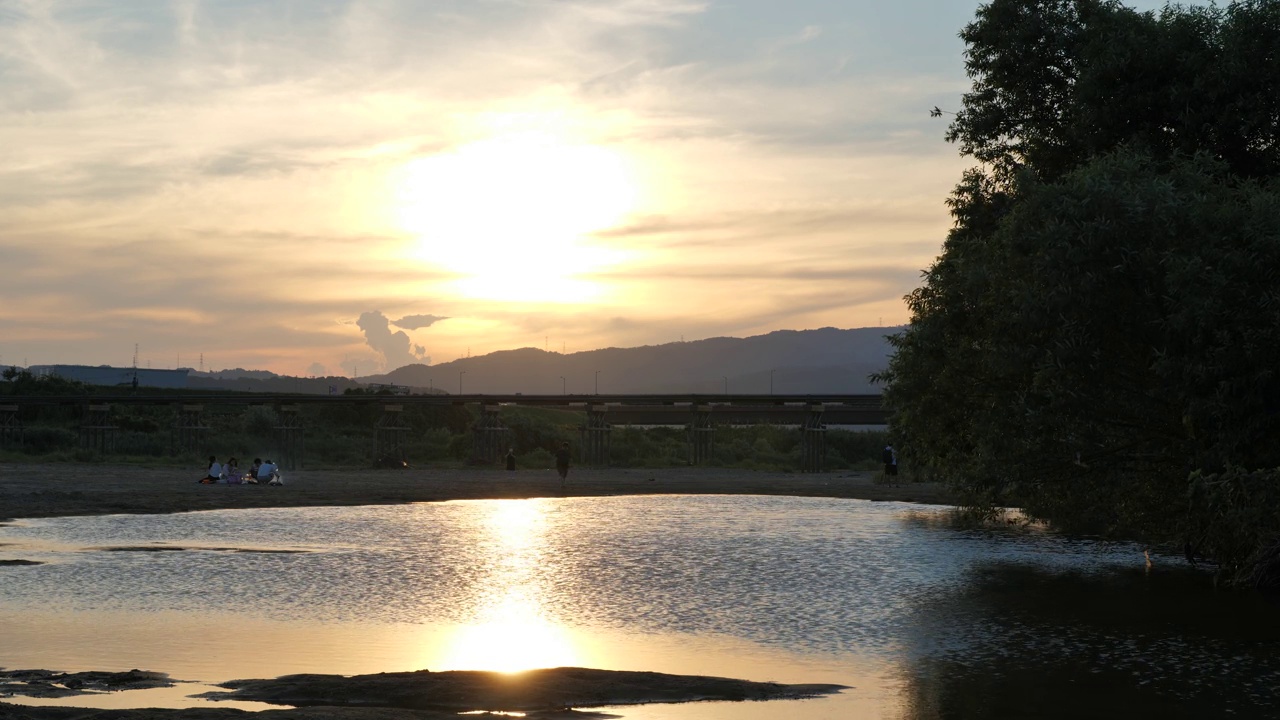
[388,440]
[595,436]
[96,431]
[188,429]
[11,430]
[702,438]
[290,441]
[490,437]
[813,441]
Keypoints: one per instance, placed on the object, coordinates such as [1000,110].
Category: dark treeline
[1097,341]
[343,435]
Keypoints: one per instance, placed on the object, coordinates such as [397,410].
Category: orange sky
[247,180]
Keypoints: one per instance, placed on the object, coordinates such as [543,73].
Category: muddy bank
[50,684]
[48,490]
[422,695]
[468,690]
[18,712]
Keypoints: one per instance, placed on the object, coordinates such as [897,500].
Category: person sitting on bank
[251,477]
[214,473]
[231,471]
[267,471]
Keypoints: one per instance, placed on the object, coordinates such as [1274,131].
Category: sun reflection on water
[511,630]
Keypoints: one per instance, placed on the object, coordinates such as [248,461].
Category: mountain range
[785,362]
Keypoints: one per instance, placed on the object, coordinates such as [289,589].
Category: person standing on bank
[511,459]
[890,458]
[562,463]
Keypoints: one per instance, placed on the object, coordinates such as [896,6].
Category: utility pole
[597,382]
[564,386]
[460,374]
[726,385]
[771,372]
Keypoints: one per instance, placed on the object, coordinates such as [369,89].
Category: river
[920,619]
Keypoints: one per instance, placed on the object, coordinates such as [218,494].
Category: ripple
[811,576]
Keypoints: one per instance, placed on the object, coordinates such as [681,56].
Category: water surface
[924,621]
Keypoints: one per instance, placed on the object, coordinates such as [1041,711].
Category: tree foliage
[1096,341]
[24,382]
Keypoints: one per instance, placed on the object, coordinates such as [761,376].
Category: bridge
[699,414]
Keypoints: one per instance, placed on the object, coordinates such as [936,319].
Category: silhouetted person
[511,459]
[562,463]
[890,458]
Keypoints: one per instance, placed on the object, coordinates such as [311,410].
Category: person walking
[562,463]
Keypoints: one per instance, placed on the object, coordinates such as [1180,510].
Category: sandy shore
[62,489]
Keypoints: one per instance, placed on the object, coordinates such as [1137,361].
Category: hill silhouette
[796,362]
[827,360]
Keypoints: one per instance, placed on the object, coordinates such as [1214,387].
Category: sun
[510,215]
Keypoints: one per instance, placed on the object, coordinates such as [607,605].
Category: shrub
[259,422]
[41,440]
[536,459]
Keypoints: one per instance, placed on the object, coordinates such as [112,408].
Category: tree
[1095,342]
[1057,82]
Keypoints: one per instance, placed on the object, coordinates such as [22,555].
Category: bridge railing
[699,414]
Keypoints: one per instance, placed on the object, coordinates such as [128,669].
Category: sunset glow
[518,643]
[511,215]
[201,180]
[512,630]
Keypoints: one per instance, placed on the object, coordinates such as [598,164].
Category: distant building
[113,376]
[388,389]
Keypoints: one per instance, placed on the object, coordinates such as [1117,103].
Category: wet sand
[64,489]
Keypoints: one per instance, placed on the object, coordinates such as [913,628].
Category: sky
[339,187]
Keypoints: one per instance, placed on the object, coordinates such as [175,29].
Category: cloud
[395,347]
[195,178]
[318,370]
[354,366]
[417,322]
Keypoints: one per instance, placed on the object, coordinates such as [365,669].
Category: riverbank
[66,489]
